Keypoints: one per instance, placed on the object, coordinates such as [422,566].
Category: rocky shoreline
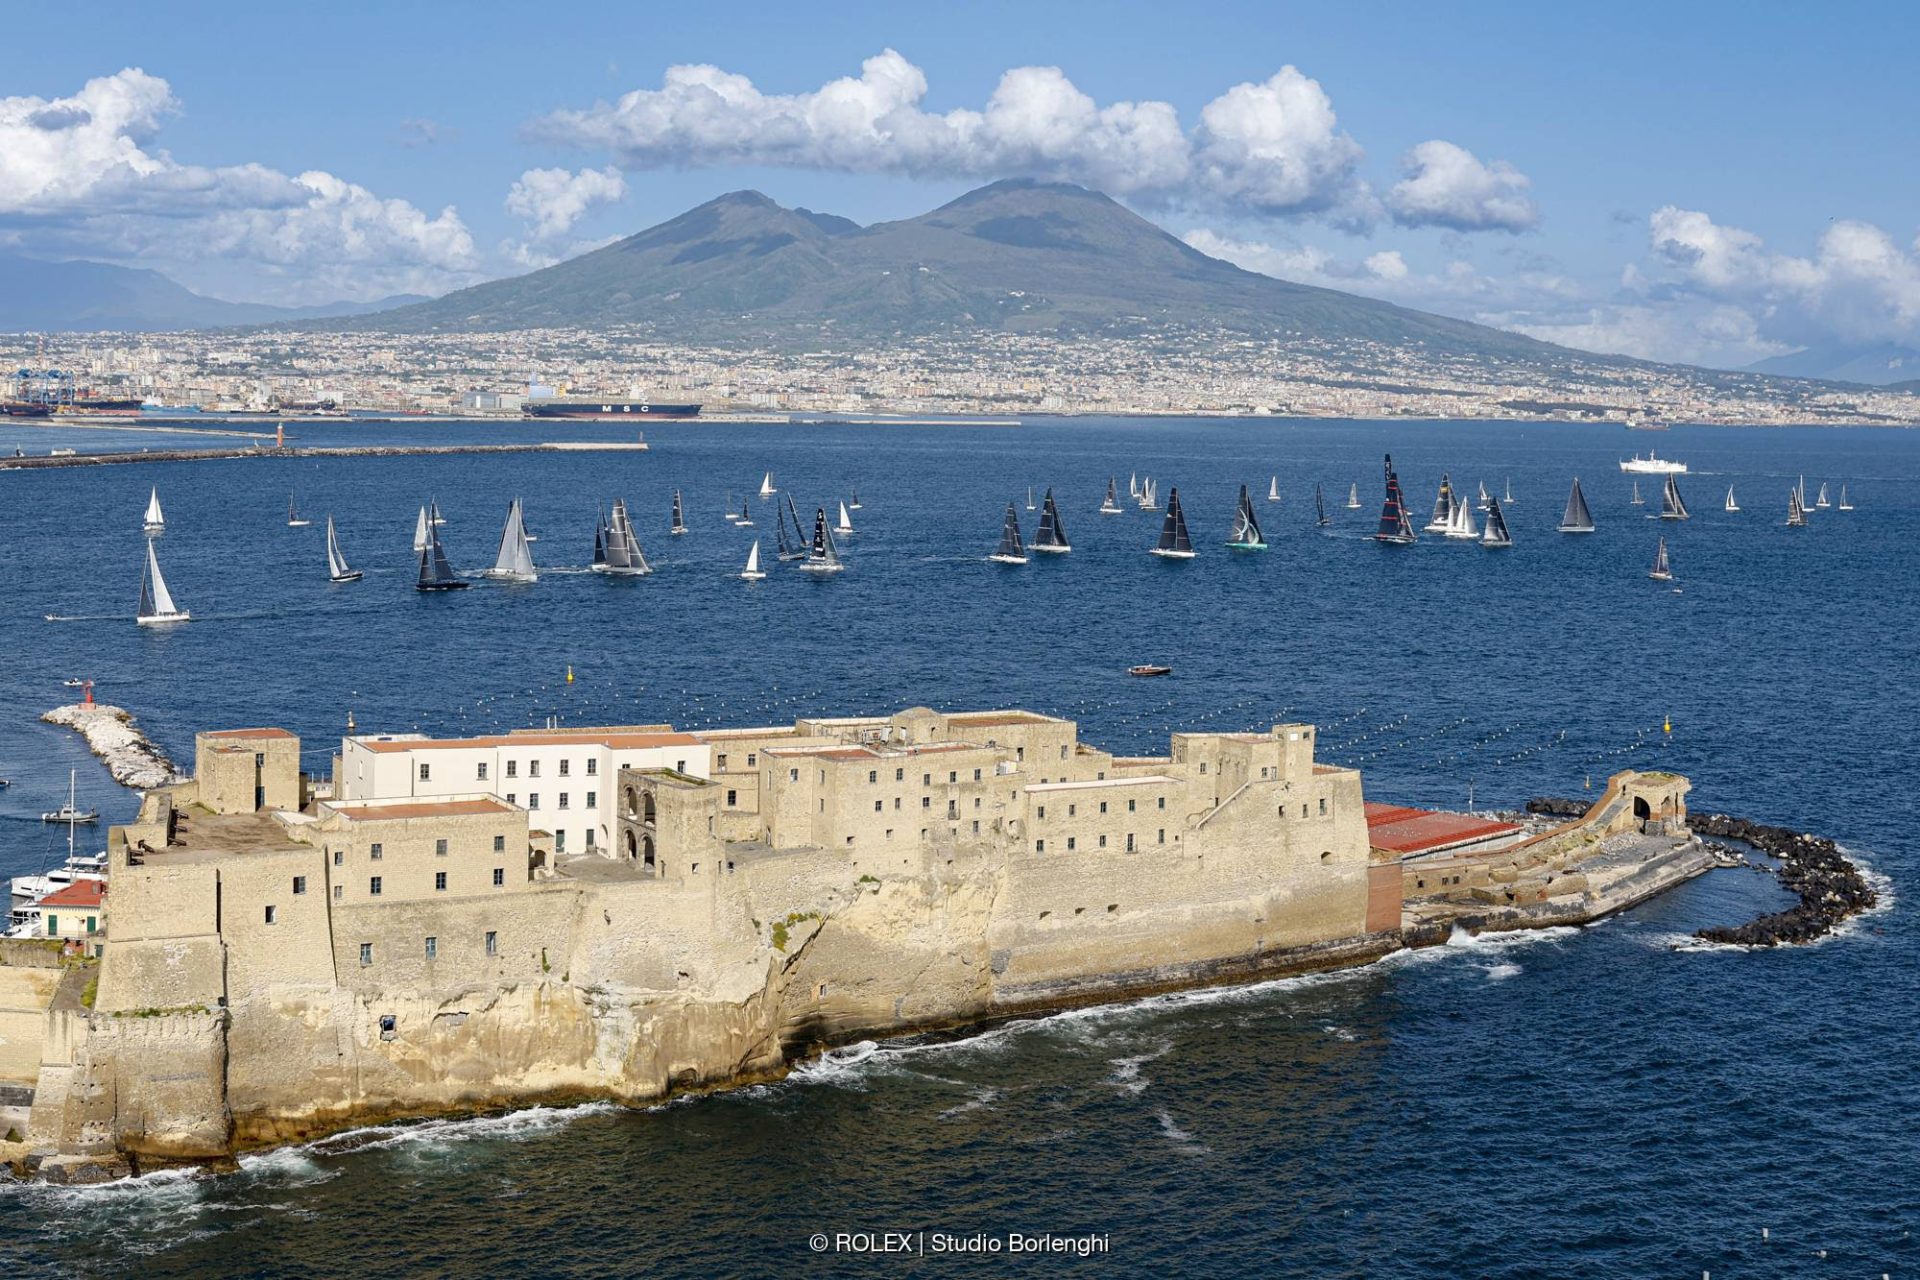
[1831,889]
[110,732]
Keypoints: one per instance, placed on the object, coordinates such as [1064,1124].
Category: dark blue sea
[1593,1102]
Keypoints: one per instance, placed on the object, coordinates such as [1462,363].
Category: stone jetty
[42,462]
[1831,889]
[131,757]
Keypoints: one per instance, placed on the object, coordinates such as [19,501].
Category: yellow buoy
[1666,727]
[569,674]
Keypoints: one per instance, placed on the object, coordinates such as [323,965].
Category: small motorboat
[74,682]
[1149,669]
[68,813]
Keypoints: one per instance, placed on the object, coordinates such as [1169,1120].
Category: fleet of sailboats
[1576,518]
[338,570]
[1052,535]
[156,602]
[1246,534]
[514,562]
[1011,550]
[1174,543]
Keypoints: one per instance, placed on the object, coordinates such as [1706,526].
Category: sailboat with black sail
[1012,550]
[1320,507]
[796,547]
[1496,535]
[745,519]
[293,514]
[1395,528]
[1052,535]
[623,554]
[1246,534]
[679,525]
[156,602]
[1576,518]
[822,556]
[1111,507]
[1672,507]
[337,567]
[1443,505]
[436,574]
[1174,543]
[514,562]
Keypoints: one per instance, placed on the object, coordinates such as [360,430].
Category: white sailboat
[1133,486]
[293,514]
[1353,497]
[730,513]
[515,559]
[156,602]
[420,533]
[1732,506]
[1662,570]
[1030,505]
[1637,500]
[766,486]
[1149,501]
[753,572]
[156,522]
[846,522]
[1796,510]
[1821,501]
[337,567]
[1111,507]
[1273,489]
[1845,505]
[1461,525]
[1483,499]
[1507,498]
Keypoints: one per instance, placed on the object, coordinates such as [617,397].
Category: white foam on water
[526,1123]
[982,1100]
[1498,972]
[1182,1141]
[1339,1033]
[1127,1075]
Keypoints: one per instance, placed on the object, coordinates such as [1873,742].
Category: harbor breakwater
[42,462]
[112,734]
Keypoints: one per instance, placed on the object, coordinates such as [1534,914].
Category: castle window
[1019,753]
[750,759]
[433,948]
[533,799]
[480,771]
[564,797]
[1039,846]
[439,882]
[1129,806]
[512,798]
[1163,835]
[793,775]
[272,911]
[976,775]
[899,775]
[593,766]
[513,768]
[1072,809]
[953,776]
[1163,802]
[926,802]
[733,798]
[896,804]
[1103,842]
[873,776]
[499,876]
[440,847]
[566,768]
[559,839]
[593,799]
[1063,753]
[339,892]
[533,768]
[493,943]
[976,826]
[373,851]
[1069,844]
[366,954]
[373,886]
[1323,806]
[425,771]
[1103,806]
[1203,767]
[499,844]
[878,805]
[1303,810]
[1129,842]
[259,759]
[339,857]
[299,885]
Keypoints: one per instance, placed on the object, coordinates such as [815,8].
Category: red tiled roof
[1403,830]
[81,893]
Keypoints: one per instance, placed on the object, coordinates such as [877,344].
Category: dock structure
[42,462]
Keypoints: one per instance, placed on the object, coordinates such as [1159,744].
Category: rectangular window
[425,771]
[1323,806]
[873,776]
[1129,842]
[299,885]
[373,851]
[926,779]
[373,886]
[559,840]
[733,798]
[1103,842]
[976,826]
[433,947]
[513,768]
[1103,806]
[480,771]
[512,799]
[679,766]
[272,911]
[899,775]
[750,760]
[533,768]
[533,799]
[878,805]
[1129,806]
[339,857]
[339,892]
[1163,835]
[566,768]
[259,759]
[926,802]
[440,847]
[440,881]
[499,844]
[1039,846]
[953,776]
[1069,844]
[793,775]
[1072,809]
[593,799]
[976,775]
[493,943]
[563,799]
[1163,802]
[499,876]
[593,766]
[366,954]
[589,837]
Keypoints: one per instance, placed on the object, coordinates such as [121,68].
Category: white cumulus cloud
[1448,186]
[550,201]
[82,175]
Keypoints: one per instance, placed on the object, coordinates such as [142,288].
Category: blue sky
[1706,182]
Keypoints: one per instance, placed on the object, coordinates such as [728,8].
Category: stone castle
[546,915]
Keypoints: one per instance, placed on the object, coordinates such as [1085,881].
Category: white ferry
[1654,464]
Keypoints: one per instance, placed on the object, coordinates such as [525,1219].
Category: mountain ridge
[80,296]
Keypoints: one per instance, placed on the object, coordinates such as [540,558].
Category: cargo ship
[579,408]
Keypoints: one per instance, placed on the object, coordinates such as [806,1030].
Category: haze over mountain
[1874,363]
[1018,256]
[76,296]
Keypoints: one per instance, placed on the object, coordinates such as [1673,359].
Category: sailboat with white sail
[1111,507]
[1149,496]
[766,485]
[434,517]
[1483,499]
[730,513]
[1845,505]
[1732,507]
[1273,489]
[822,556]
[1444,503]
[338,569]
[1396,529]
[1246,535]
[1796,510]
[1576,518]
[1030,505]
[156,602]
[420,533]
[293,514]
[1496,535]
[1052,536]
[845,526]
[1133,486]
[753,572]
[1353,497]
[1174,543]
[679,525]
[622,554]
[1011,550]
[156,520]
[1800,488]
[436,574]
[1508,498]
[1821,501]
[1462,527]
[514,563]
[1662,570]
[1637,500]
[1672,506]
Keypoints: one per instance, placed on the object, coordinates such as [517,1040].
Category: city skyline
[1682,213]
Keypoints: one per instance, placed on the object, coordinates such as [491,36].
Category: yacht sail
[1133,485]
[1320,507]
[1821,501]
[1111,507]
[1672,507]
[1273,489]
[1174,542]
[1845,505]
[1508,498]
[1012,550]
[156,602]
[1637,500]
[1462,525]
[1731,506]
[337,567]
[797,548]
[434,517]
[1149,500]
[753,572]
[745,519]
[515,559]
[679,516]
[1482,500]
[1796,510]
[822,555]
[420,533]
[1353,497]
[155,522]
[435,573]
[1662,568]
[766,485]
[293,514]
[1030,497]
[600,541]
[1052,536]
[853,500]
[1496,534]
[1443,505]
[1246,529]
[624,556]
[846,521]
[1395,528]
[1576,518]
